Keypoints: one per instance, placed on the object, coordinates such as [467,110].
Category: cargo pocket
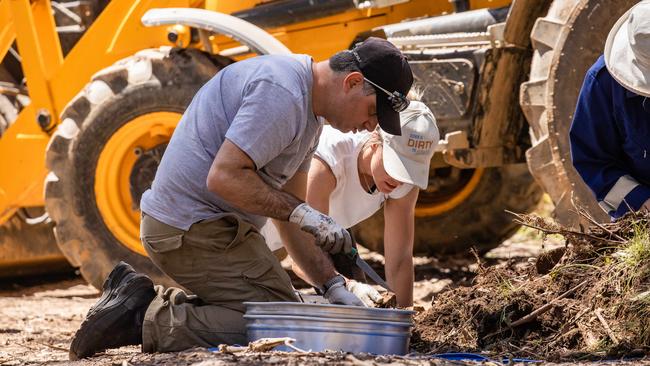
[265,282]
[169,254]
[164,244]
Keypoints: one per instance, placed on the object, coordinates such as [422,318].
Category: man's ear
[353,80]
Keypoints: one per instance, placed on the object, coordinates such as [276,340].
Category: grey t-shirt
[262,105]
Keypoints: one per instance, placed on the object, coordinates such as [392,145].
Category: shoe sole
[95,326]
[111,285]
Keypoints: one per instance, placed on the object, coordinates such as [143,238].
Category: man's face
[355,110]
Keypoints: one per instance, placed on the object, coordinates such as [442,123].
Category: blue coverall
[610,142]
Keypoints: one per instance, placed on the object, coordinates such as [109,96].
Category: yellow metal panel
[22,147]
[22,158]
[7,32]
[229,6]
[479,4]
[417,9]
[32,52]
[48,39]
[328,39]
[116,34]
[324,36]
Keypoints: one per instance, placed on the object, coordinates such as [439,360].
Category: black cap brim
[388,118]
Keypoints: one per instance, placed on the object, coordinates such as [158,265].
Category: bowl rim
[331,306]
[330,320]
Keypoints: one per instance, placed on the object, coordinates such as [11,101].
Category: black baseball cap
[387,70]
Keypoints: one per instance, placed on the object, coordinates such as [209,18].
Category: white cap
[407,157]
[627,50]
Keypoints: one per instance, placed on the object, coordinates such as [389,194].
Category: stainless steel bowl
[327,310]
[318,327]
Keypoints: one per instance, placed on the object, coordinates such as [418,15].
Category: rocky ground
[39,316]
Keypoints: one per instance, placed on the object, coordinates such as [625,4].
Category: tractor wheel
[468,214]
[106,151]
[566,42]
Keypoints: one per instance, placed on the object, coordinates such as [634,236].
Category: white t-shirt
[349,202]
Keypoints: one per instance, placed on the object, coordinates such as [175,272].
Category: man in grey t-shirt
[239,155]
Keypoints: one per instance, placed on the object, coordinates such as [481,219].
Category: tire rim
[436,203]
[120,213]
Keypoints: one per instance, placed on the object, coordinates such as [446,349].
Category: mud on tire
[153,80]
[480,221]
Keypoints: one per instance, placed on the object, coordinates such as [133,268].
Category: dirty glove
[364,292]
[336,293]
[330,236]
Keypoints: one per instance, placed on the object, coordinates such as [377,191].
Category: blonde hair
[416,93]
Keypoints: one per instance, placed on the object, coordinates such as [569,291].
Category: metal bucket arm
[257,39]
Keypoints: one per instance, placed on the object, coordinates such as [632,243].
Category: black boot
[116,319]
[121,273]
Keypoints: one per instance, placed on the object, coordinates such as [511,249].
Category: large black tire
[479,221]
[566,42]
[153,80]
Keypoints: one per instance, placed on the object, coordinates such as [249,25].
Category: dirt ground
[38,317]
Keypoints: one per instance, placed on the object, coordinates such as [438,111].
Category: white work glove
[330,236]
[364,292]
[338,294]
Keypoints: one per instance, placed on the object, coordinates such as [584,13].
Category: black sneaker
[122,272]
[117,322]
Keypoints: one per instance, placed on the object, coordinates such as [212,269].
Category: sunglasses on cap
[398,101]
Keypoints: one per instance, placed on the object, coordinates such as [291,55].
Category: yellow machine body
[52,80]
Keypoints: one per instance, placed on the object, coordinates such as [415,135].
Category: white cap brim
[405,170]
[621,61]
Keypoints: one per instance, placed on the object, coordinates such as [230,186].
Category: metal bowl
[319,327]
[327,311]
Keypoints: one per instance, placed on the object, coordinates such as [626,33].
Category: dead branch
[609,331]
[481,269]
[260,345]
[51,346]
[564,232]
[581,211]
[541,310]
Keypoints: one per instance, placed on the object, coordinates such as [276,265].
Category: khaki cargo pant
[223,262]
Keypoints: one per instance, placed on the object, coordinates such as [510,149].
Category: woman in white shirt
[354,175]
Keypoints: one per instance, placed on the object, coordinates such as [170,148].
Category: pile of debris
[589,299]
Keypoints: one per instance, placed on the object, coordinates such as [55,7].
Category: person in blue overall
[610,132]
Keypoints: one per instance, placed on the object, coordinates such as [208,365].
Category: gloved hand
[364,292]
[330,236]
[338,294]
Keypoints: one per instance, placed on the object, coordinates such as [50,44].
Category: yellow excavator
[91,90]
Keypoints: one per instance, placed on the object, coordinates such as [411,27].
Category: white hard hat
[627,50]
